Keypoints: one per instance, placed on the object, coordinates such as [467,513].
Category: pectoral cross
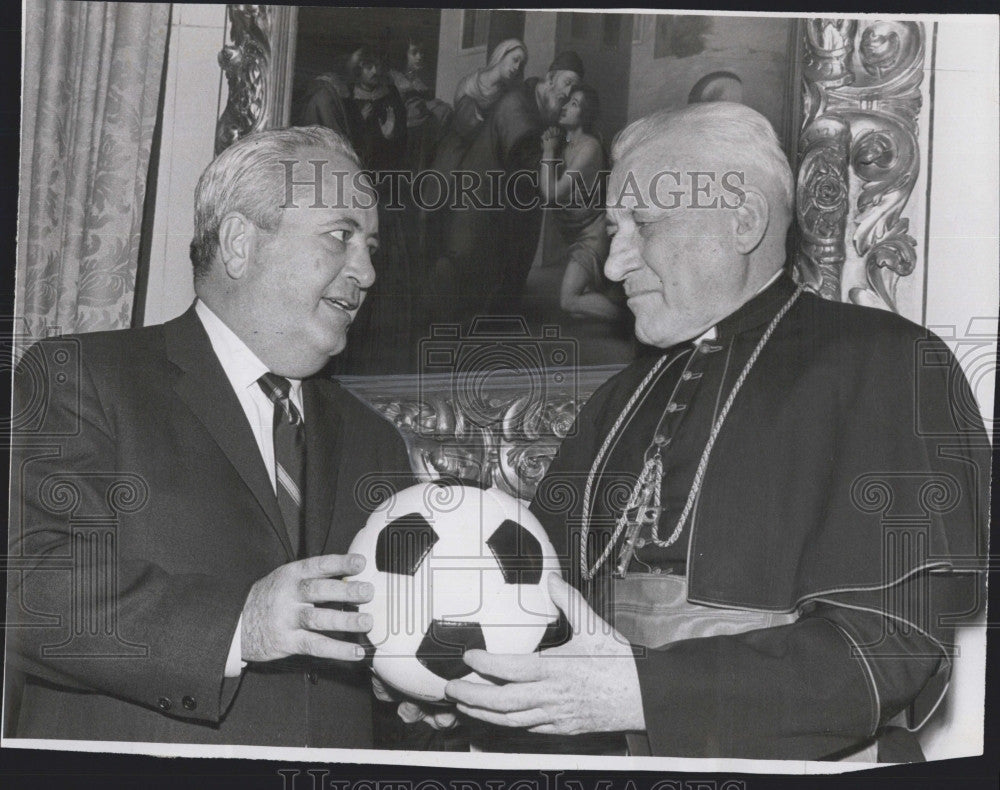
[637,518]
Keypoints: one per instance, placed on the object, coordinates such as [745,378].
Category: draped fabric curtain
[89,103]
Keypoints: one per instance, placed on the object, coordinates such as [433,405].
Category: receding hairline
[653,155]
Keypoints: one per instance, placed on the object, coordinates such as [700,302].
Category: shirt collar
[241,365]
[708,334]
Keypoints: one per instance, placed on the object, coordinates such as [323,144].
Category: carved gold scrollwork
[506,436]
[245,63]
[830,44]
[511,452]
[822,201]
[887,164]
[861,100]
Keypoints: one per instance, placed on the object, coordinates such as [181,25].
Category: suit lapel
[323,425]
[202,385]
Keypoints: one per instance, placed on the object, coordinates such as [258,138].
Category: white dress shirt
[243,369]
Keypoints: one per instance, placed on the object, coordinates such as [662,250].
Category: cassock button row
[189,703]
[164,703]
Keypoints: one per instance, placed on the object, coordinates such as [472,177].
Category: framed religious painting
[416,92]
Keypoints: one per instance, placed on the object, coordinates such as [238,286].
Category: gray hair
[727,134]
[245,178]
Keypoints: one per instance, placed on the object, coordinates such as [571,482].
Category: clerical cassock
[785,517]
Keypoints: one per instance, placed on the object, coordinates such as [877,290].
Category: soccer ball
[455,567]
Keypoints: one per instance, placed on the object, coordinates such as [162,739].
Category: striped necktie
[289,455]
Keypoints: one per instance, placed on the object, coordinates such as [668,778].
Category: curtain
[89,103]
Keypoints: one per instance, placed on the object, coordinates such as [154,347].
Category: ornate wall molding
[258,67]
[505,436]
[859,156]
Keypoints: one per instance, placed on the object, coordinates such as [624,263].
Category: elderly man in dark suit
[184,510]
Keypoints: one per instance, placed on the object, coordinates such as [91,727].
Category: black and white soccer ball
[455,567]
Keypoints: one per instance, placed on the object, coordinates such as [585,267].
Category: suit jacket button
[164,703]
[189,703]
[313,676]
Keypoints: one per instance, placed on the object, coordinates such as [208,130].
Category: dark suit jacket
[142,514]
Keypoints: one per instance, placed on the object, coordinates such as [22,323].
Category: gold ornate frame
[258,66]
[859,156]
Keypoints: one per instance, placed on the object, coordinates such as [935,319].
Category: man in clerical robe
[772,523]
[490,236]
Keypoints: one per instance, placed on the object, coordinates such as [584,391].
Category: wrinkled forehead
[632,173]
[654,165]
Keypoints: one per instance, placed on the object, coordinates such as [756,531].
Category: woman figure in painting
[478,91]
[476,94]
[426,116]
[585,292]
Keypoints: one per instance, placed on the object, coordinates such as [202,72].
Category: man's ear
[237,236]
[751,220]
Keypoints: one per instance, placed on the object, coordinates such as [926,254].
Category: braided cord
[642,482]
[588,574]
[703,462]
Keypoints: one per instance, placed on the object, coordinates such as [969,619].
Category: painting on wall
[423,92]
